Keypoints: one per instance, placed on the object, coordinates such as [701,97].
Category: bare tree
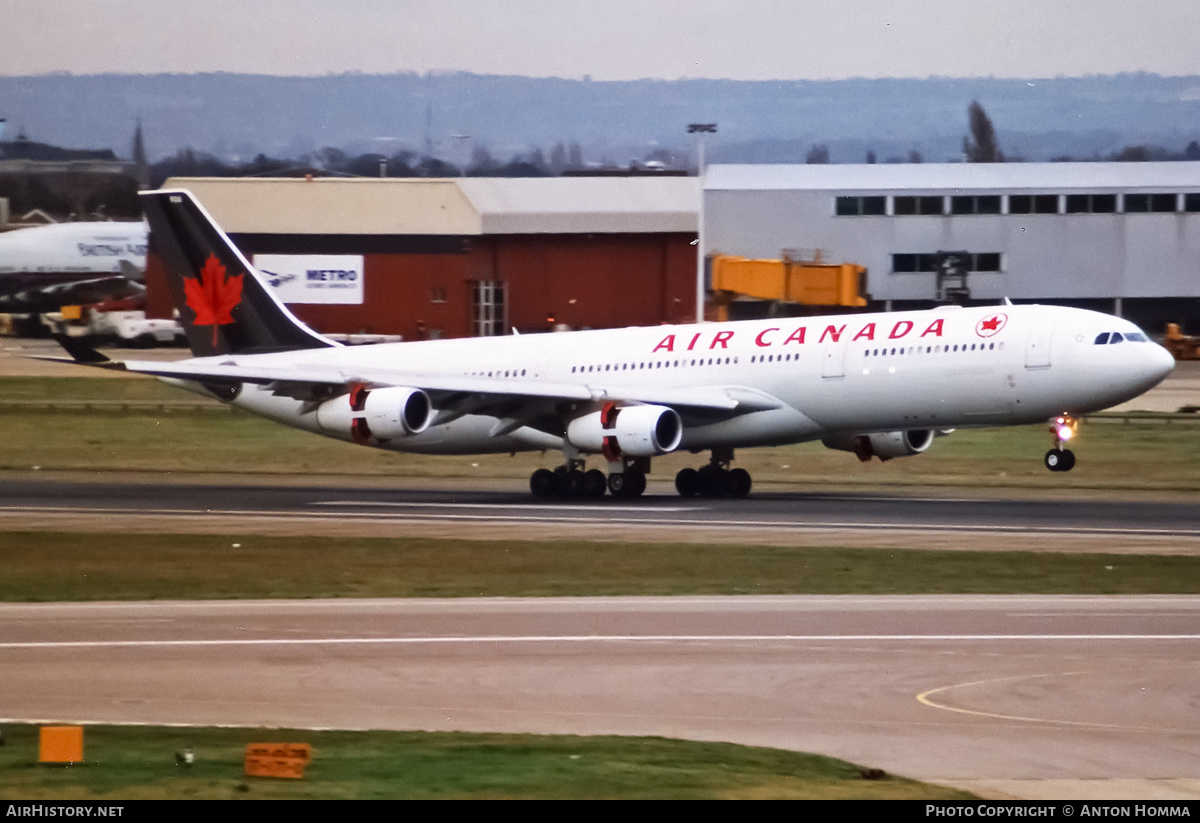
[574,155]
[981,146]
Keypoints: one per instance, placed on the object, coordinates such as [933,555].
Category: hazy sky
[607,39]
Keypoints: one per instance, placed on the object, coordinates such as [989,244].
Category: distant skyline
[605,39]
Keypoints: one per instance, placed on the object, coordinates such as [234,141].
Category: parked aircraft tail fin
[225,306]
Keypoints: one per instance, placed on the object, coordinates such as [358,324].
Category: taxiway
[1001,695]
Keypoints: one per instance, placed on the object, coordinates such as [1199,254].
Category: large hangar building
[461,257]
[1121,237]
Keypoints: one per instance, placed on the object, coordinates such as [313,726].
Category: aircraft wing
[71,293]
[514,401]
[303,380]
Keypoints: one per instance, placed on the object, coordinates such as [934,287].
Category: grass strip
[130,763]
[58,566]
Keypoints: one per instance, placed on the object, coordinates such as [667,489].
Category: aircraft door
[833,359]
[1037,345]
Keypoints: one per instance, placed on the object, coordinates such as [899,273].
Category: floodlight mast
[701,129]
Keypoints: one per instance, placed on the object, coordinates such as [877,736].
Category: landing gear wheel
[714,482]
[576,483]
[638,484]
[739,483]
[1060,460]
[542,483]
[687,482]
[630,483]
[594,484]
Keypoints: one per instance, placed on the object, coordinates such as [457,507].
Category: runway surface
[971,691]
[1034,697]
[871,519]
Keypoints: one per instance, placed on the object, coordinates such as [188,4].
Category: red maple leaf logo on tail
[212,295]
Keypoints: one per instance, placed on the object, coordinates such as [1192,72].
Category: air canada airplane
[876,385]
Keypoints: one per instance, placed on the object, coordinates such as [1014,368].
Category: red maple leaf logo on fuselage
[991,326]
[212,295]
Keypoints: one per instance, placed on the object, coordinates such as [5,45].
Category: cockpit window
[1108,338]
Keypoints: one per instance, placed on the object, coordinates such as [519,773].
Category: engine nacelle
[884,445]
[382,414]
[630,431]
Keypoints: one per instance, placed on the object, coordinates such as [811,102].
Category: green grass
[129,763]
[50,566]
[1143,456]
[54,389]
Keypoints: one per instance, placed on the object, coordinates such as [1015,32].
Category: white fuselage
[73,249]
[803,378]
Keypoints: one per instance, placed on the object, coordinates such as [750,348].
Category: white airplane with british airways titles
[877,385]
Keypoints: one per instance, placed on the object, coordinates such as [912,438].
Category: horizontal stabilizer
[81,352]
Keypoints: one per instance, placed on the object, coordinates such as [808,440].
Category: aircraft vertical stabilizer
[224,306]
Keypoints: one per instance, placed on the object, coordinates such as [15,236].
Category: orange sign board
[60,744]
[277,759]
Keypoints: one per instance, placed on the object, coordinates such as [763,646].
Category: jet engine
[630,431]
[884,445]
[382,414]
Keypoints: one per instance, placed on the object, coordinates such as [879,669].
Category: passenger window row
[655,364]
[939,349]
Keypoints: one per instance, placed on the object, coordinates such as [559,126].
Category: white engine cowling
[383,414]
[884,445]
[632,431]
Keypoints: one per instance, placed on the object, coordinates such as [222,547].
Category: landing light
[1064,428]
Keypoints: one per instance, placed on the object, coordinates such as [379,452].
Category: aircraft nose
[1157,364]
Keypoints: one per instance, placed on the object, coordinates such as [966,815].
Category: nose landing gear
[1063,428]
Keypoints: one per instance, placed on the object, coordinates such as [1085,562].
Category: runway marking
[609,521]
[535,507]
[585,638]
[925,699]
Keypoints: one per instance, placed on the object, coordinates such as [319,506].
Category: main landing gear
[714,480]
[626,478]
[1059,459]
[566,482]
